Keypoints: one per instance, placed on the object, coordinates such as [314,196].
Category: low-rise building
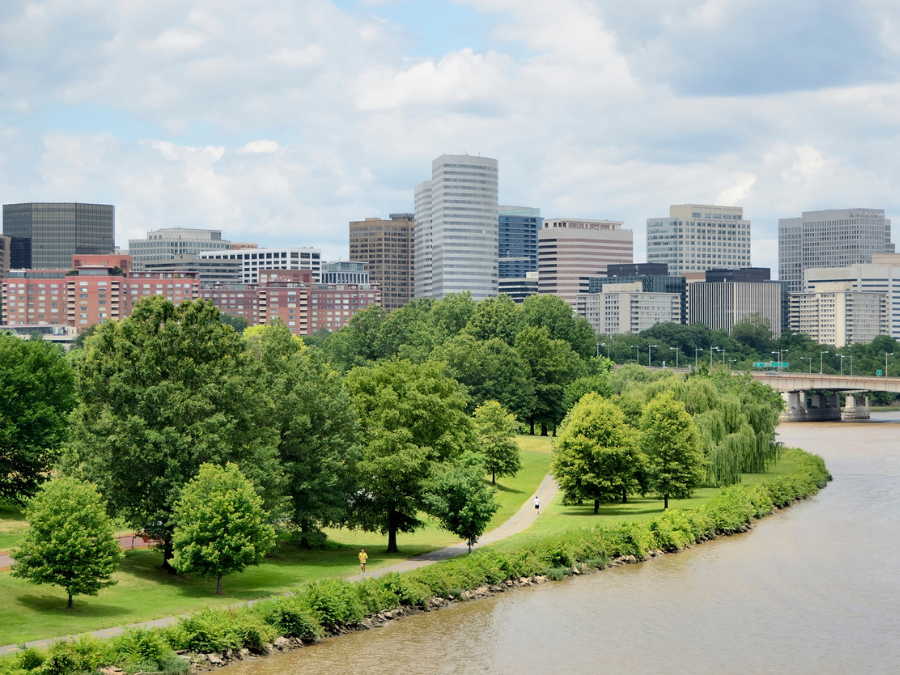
[344,272]
[256,260]
[837,314]
[627,308]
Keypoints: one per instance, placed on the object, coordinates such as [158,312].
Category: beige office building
[836,314]
[626,308]
[699,237]
[386,246]
[572,249]
[720,305]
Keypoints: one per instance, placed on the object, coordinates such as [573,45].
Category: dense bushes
[319,605]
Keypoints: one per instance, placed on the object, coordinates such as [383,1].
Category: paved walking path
[521,521]
[126,542]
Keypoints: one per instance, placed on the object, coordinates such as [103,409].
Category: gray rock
[540,580]
[575,570]
[214,659]
[282,643]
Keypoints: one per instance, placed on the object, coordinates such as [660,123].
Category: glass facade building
[518,241]
[47,235]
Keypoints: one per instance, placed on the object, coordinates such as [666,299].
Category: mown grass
[145,592]
[12,526]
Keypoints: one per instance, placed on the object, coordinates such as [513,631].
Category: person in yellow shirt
[363,556]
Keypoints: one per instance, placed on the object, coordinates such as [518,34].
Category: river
[812,589]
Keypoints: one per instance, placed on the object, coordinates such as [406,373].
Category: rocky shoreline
[205,662]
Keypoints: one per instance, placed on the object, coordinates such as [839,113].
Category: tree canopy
[496,431]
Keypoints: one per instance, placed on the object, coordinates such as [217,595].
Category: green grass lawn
[557,518]
[12,526]
[145,592]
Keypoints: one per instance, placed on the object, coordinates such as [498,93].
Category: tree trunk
[392,533]
[168,553]
[543,428]
[219,585]
[71,604]
[624,495]
[493,477]
[665,502]
[596,506]
[531,421]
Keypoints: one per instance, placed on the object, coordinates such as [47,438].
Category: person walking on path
[363,556]
[537,505]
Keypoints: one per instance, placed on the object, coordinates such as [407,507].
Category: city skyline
[195,115]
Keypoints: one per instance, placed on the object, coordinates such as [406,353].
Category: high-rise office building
[47,235]
[719,305]
[570,250]
[832,238]
[456,231]
[170,242]
[255,260]
[386,246]
[518,241]
[698,237]
[4,254]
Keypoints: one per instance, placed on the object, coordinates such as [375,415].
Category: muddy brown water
[813,589]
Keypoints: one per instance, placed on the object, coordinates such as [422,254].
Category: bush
[558,573]
[407,591]
[291,617]
[85,653]
[29,659]
[142,646]
[218,630]
[671,531]
[334,602]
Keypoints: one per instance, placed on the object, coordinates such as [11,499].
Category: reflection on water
[813,589]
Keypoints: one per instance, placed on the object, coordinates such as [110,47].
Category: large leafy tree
[412,417]
[489,370]
[161,393]
[316,426]
[221,525]
[460,501]
[561,321]
[69,542]
[599,384]
[36,396]
[596,456]
[498,317]
[496,431]
[553,365]
[669,438]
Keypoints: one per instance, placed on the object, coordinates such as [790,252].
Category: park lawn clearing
[12,526]
[145,591]
[557,518]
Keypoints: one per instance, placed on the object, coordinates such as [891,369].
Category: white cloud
[259,147]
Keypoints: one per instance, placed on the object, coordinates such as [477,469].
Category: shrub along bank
[328,606]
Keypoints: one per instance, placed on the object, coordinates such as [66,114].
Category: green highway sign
[760,364]
[780,364]
[878,373]
[770,364]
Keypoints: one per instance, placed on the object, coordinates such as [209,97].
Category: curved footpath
[522,520]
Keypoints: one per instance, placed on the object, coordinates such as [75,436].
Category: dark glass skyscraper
[518,243]
[47,235]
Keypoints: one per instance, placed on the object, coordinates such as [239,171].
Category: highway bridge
[795,386]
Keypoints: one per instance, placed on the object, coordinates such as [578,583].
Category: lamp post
[732,364]
[723,357]
[886,355]
[851,365]
[649,360]
[807,358]
[605,344]
[842,363]
[637,360]
[677,349]
[711,350]
[780,354]
[697,350]
[820,361]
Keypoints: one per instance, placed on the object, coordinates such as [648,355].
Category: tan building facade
[836,314]
[626,308]
[386,246]
[699,237]
[572,249]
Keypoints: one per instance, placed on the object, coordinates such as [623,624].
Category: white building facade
[720,305]
[255,259]
[168,243]
[837,314]
[625,308]
[699,237]
[832,238]
[456,248]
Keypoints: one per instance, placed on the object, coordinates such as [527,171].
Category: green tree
[69,542]
[458,498]
[562,323]
[596,456]
[236,321]
[36,396]
[221,526]
[163,392]
[453,312]
[598,384]
[316,427]
[754,332]
[496,431]
[78,342]
[498,317]
[553,365]
[411,418]
[489,370]
[669,438]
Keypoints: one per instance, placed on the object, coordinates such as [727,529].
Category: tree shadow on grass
[633,509]
[502,488]
[55,604]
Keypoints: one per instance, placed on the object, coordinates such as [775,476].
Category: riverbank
[333,607]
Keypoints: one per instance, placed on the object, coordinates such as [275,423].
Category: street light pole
[886,355]
[820,362]
[711,350]
[637,359]
[677,349]
[842,363]
[605,344]
[649,360]
[851,365]
[697,350]
[807,358]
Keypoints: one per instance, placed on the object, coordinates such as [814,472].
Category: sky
[278,121]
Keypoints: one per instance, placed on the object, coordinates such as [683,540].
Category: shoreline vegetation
[214,637]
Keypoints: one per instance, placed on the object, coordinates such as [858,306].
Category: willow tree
[596,456]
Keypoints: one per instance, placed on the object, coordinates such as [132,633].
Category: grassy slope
[12,526]
[145,592]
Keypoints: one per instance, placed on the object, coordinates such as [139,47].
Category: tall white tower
[456,232]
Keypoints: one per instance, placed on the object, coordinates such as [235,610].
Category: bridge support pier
[796,409]
[856,408]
